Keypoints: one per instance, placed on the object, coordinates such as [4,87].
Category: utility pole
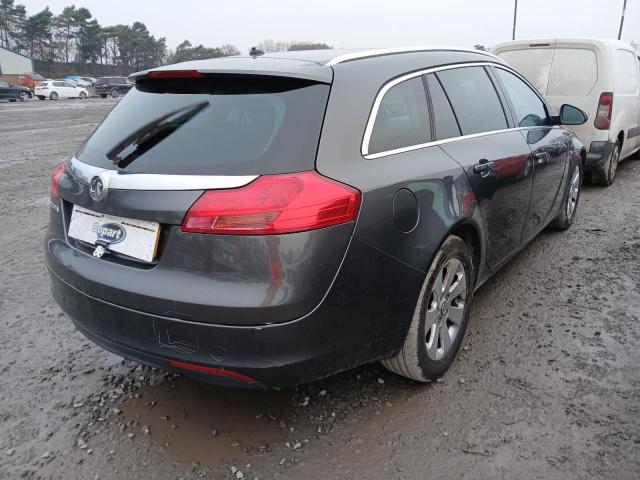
[515,18]
[624,7]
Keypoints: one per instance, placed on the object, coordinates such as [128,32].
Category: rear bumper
[363,318]
[598,154]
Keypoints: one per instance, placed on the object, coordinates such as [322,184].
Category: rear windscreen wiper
[148,136]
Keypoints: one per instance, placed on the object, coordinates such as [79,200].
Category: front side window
[474,100]
[528,109]
[4,84]
[402,119]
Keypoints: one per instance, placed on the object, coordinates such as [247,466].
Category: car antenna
[254,52]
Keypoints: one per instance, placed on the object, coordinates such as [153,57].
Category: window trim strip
[392,83]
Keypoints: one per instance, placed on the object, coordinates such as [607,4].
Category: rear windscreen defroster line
[215,125]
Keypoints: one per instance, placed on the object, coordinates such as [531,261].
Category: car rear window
[556,72]
[533,63]
[102,80]
[574,72]
[224,125]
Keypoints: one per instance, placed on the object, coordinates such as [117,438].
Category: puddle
[186,413]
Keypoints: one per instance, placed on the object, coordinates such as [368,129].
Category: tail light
[274,204]
[216,372]
[603,114]
[55,180]
[175,74]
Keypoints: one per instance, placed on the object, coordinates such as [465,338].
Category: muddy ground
[547,385]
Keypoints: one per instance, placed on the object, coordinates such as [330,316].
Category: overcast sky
[361,23]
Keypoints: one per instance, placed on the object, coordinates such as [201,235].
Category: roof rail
[347,57]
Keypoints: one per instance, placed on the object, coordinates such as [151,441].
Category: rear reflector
[174,74]
[217,372]
[274,204]
[603,114]
[55,180]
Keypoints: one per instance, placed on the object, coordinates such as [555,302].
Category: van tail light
[274,204]
[55,180]
[603,114]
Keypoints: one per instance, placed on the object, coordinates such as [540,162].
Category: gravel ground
[546,386]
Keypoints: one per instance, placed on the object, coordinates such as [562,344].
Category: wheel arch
[469,231]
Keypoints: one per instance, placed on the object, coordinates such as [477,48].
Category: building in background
[12,63]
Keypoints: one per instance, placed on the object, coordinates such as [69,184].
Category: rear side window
[574,72]
[402,119]
[528,109]
[474,100]
[224,125]
[625,81]
[444,121]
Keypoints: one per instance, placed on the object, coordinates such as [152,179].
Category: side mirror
[570,115]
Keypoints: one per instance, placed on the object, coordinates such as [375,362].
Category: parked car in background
[114,86]
[270,221]
[14,93]
[28,80]
[81,81]
[54,89]
[602,77]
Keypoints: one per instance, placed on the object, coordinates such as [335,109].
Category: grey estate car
[267,221]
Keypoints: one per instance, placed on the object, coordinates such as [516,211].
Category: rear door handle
[483,168]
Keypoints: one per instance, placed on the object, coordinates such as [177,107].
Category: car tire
[103,96]
[24,96]
[436,332]
[605,175]
[569,205]
[115,93]
[41,97]
[53,96]
[83,96]
[13,99]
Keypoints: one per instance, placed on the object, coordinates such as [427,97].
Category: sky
[361,23]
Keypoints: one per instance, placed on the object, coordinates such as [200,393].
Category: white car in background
[602,77]
[54,89]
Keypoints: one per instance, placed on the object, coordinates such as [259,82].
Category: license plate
[135,238]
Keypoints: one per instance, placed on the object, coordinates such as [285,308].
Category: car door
[5,89]
[549,146]
[494,155]
[59,88]
[71,90]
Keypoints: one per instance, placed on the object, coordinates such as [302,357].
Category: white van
[602,77]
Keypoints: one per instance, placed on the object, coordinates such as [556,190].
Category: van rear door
[626,99]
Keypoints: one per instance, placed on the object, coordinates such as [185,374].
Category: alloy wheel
[613,167]
[445,310]
[574,192]
[23,97]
